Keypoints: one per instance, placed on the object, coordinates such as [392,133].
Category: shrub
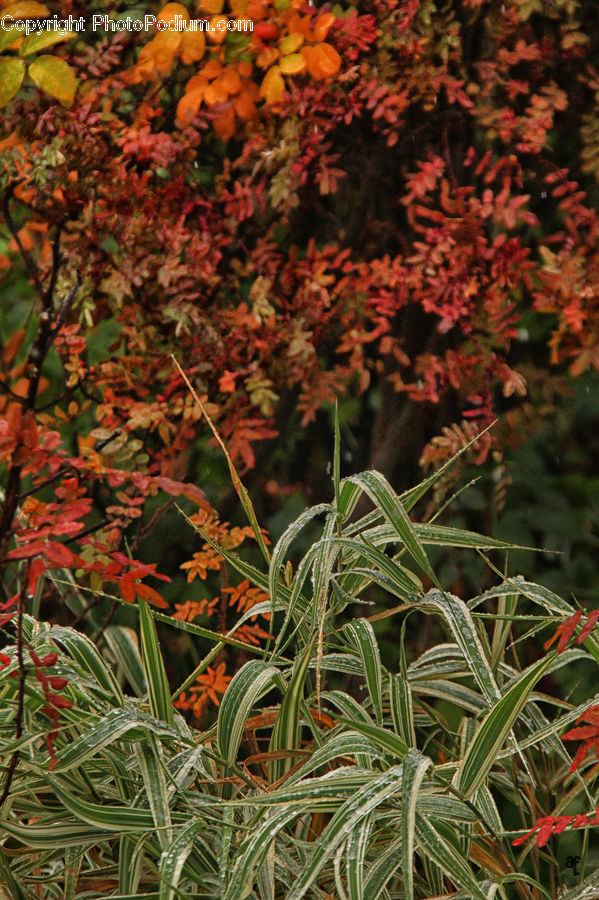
[327,773]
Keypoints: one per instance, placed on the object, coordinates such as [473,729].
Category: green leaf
[124,646]
[348,743]
[253,851]
[17,891]
[12,72]
[174,857]
[462,626]
[357,845]
[103,732]
[362,635]
[415,765]
[152,773]
[247,686]
[85,652]
[8,35]
[483,750]
[388,503]
[130,863]
[355,810]
[159,693]
[286,732]
[55,77]
[386,740]
[445,855]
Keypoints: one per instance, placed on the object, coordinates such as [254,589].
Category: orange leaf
[226,382]
[218,29]
[189,105]
[193,46]
[25,238]
[12,346]
[273,86]
[293,64]
[245,69]
[171,12]
[224,125]
[212,7]
[300,24]
[148,594]
[244,105]
[323,61]
[198,82]
[212,69]
[322,26]
[231,81]
[216,92]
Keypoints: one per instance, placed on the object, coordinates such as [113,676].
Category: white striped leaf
[445,855]
[362,635]
[415,766]
[355,810]
[245,689]
[389,504]
[151,769]
[464,631]
[159,694]
[286,731]
[483,750]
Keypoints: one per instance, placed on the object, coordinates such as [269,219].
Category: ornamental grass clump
[329,772]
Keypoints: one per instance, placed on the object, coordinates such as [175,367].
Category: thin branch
[55,265]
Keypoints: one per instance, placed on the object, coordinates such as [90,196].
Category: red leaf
[59,555]
[589,625]
[127,589]
[148,594]
[564,632]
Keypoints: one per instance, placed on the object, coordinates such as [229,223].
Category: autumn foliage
[378,201]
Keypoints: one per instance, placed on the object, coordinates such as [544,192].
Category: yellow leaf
[12,72]
[171,12]
[292,64]
[8,35]
[273,86]
[291,42]
[33,43]
[55,77]
[26,9]
[164,47]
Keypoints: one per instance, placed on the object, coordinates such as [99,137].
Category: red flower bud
[264,31]
[59,702]
[49,659]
